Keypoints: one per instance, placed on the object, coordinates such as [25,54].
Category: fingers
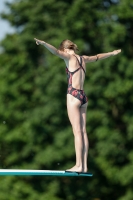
[119,50]
[115,52]
[37,41]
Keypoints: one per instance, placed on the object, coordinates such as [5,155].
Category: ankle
[79,166]
[85,169]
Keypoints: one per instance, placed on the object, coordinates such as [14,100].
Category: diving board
[27,172]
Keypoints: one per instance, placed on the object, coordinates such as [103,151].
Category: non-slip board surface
[20,172]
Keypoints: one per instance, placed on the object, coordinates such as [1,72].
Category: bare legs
[77,117]
[83,110]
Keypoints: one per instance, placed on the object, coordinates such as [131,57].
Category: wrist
[43,43]
[112,53]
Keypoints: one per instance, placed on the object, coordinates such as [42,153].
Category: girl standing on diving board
[76,99]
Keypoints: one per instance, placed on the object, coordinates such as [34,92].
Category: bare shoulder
[86,58]
[89,59]
[65,56]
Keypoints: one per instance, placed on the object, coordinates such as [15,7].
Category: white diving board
[27,172]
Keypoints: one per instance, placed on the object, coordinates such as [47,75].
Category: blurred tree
[34,126]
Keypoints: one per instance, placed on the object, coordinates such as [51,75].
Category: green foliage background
[34,129]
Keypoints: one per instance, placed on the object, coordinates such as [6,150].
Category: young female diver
[76,99]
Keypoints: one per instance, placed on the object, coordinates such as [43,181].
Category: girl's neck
[71,52]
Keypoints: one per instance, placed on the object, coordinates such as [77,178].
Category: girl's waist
[70,87]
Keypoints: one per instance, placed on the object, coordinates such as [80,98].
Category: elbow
[57,52]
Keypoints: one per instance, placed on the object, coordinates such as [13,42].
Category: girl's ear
[65,50]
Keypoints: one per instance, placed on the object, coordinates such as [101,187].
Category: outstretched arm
[53,50]
[101,56]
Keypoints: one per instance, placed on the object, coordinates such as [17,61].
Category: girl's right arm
[53,50]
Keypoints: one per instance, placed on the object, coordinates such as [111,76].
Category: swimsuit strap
[73,71]
[80,63]
[81,60]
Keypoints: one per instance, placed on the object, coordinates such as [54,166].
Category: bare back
[78,78]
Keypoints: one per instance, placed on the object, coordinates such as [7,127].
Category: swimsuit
[77,93]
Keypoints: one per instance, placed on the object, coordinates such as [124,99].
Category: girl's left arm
[53,50]
[101,56]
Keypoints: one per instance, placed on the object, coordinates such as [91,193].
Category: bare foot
[85,170]
[75,169]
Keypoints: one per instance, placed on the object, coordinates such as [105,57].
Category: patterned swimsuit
[79,94]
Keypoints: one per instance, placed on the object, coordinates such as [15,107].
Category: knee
[84,132]
[77,130]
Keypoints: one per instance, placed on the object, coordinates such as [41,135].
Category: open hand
[115,52]
[38,41]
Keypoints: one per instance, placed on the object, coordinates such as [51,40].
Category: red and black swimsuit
[77,93]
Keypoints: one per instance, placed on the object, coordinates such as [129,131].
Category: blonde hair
[67,44]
